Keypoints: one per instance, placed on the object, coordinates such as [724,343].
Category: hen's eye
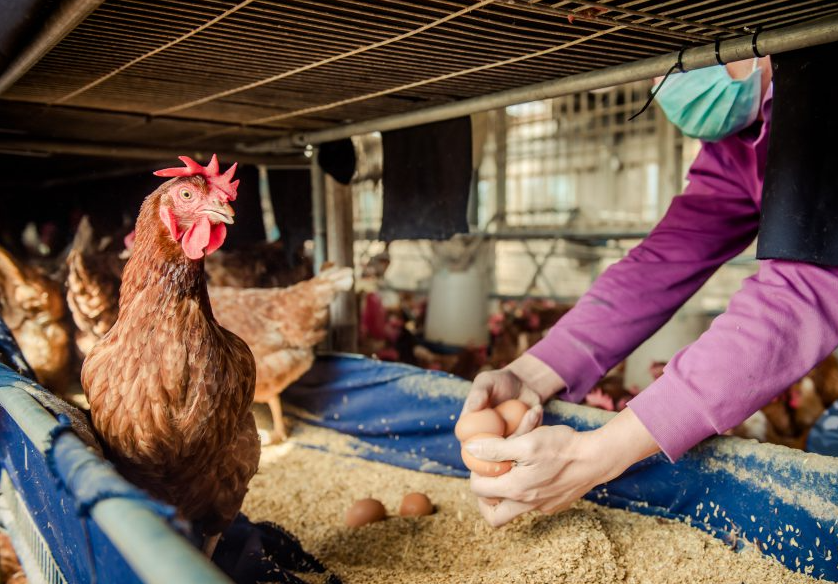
[186,194]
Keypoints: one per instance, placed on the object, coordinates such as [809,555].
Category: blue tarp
[784,501]
[823,437]
[60,487]
[70,535]
[11,355]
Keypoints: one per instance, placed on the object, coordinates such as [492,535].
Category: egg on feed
[364,512]
[486,421]
[416,505]
[486,468]
[512,411]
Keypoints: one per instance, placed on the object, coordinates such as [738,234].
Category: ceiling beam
[29,147]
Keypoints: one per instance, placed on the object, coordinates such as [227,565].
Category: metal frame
[35,558]
[153,550]
[66,17]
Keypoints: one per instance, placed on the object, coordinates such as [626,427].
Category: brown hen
[258,265]
[32,306]
[170,390]
[281,326]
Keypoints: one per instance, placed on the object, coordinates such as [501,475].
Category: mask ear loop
[678,65]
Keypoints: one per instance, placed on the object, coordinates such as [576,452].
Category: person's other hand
[527,379]
[556,465]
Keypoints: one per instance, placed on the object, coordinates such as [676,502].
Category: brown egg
[416,505]
[486,468]
[487,421]
[364,512]
[512,411]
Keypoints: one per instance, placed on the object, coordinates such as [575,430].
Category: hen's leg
[210,542]
[278,434]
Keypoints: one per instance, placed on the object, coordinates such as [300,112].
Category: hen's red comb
[210,172]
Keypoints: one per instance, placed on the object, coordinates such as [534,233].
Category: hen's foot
[277,436]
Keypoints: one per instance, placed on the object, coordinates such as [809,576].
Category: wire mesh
[29,543]
[307,64]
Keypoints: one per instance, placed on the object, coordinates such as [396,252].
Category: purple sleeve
[781,323]
[714,220]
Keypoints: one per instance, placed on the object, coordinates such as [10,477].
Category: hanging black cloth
[426,175]
[249,228]
[338,159]
[800,194]
[291,200]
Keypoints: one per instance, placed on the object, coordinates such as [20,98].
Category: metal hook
[680,63]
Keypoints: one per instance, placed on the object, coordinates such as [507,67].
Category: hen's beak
[220,213]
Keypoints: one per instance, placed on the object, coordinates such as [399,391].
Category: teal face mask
[708,104]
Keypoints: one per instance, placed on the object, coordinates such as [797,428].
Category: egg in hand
[498,422]
[486,421]
[512,411]
[486,468]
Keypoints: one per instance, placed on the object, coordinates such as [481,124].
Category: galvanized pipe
[59,24]
[318,211]
[789,38]
[267,206]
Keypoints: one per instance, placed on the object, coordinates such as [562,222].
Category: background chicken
[281,326]
[33,308]
[260,265]
[93,278]
[825,377]
[170,390]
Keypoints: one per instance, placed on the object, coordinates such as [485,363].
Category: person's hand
[556,465]
[526,379]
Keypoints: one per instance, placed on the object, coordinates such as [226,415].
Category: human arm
[781,323]
[714,220]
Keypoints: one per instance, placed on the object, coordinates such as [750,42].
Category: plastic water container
[458,310]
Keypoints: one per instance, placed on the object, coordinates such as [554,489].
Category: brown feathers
[281,326]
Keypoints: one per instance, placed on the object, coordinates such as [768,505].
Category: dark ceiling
[199,76]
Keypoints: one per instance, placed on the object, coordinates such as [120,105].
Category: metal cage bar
[153,550]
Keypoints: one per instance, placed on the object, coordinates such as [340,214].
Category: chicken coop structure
[95,93]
